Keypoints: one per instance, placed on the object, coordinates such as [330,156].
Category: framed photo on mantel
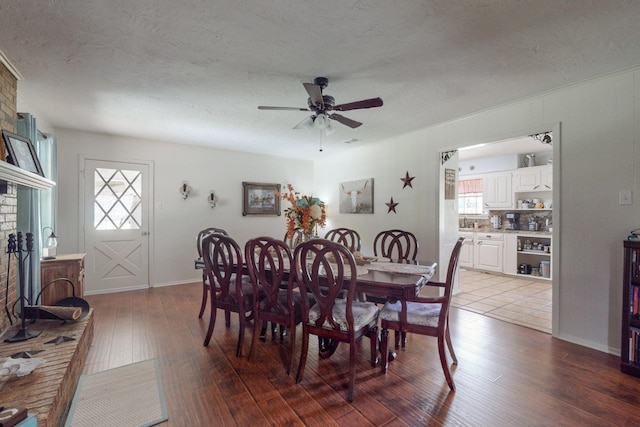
[260,199]
[21,153]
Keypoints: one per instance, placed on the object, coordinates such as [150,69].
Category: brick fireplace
[48,390]
[8,200]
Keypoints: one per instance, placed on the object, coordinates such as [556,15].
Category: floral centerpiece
[305,213]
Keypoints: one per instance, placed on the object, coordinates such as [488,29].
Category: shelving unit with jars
[534,251]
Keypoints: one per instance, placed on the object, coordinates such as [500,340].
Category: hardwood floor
[508,375]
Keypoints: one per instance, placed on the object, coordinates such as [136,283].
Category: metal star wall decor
[392,206]
[407,180]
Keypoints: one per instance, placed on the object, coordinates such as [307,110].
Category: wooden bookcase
[630,343]
[70,266]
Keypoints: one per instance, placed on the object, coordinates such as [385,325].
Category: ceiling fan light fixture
[321,121]
[306,124]
[329,129]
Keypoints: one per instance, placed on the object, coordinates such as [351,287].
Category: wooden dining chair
[269,262]
[425,316]
[223,264]
[396,245]
[346,236]
[205,282]
[326,269]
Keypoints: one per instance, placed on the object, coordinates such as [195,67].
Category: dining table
[392,280]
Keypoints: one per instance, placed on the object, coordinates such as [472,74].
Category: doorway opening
[506,266]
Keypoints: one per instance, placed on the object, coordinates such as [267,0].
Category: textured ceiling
[194,71]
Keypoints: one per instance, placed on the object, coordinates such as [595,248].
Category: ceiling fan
[323,107]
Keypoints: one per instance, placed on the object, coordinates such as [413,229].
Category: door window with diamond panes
[117,199]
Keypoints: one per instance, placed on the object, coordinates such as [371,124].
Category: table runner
[392,267]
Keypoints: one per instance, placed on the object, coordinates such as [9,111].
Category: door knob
[145,233]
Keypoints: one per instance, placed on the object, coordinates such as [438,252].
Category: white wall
[599,146]
[177,221]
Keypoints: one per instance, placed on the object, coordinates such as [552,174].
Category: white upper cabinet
[537,178]
[497,192]
[546,177]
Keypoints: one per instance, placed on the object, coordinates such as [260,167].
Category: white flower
[315,211]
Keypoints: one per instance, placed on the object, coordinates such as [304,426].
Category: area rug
[130,395]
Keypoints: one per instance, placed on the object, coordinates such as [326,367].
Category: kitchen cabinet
[546,177]
[498,252]
[488,251]
[70,266]
[465,258]
[536,178]
[510,265]
[497,190]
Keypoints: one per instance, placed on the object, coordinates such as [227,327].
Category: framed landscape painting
[356,196]
[260,199]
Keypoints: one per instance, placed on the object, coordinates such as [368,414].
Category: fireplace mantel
[11,173]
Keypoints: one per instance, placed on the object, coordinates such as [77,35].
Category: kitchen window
[470,196]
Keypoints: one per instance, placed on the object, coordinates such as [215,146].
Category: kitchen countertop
[505,231]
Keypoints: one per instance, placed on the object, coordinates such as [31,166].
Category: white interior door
[116,225]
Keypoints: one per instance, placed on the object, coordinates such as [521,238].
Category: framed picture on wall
[449,184]
[356,196]
[260,199]
[21,153]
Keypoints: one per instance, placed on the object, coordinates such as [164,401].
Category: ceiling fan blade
[307,123]
[345,121]
[315,94]
[365,103]
[265,107]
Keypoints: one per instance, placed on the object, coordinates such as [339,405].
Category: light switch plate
[624,197]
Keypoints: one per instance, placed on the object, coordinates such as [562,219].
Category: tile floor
[525,302]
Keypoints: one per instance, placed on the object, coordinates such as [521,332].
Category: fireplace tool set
[16,247]
[71,308]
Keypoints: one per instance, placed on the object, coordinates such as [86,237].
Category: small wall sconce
[185,190]
[212,199]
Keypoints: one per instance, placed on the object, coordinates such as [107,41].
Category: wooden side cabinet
[70,266]
[630,345]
